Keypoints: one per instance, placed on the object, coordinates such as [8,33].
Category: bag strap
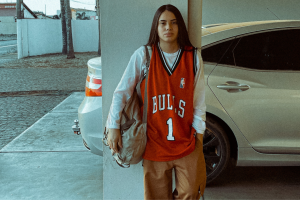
[138,87]
[195,60]
[145,95]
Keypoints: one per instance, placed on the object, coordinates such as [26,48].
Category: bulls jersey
[170,94]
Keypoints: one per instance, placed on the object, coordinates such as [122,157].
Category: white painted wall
[220,11]
[7,19]
[85,35]
[125,26]
[43,36]
[8,25]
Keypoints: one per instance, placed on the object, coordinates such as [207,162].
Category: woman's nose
[169,26]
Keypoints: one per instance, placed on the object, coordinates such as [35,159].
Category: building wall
[8,25]
[8,12]
[44,36]
[8,9]
[86,35]
[7,21]
[8,5]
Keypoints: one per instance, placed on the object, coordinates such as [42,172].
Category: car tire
[216,149]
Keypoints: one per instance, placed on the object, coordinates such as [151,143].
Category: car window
[214,53]
[276,50]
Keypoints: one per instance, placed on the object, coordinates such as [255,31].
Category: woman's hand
[114,140]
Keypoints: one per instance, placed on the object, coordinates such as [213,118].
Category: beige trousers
[190,177]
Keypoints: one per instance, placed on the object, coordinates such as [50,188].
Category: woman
[176,109]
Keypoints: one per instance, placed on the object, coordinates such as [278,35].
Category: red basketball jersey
[170,107]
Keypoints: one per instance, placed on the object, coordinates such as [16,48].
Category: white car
[252,73]
[90,110]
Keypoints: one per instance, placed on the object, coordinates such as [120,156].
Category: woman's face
[167,27]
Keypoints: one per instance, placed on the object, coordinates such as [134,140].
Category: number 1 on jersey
[170,129]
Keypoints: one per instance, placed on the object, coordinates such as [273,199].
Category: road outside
[8,47]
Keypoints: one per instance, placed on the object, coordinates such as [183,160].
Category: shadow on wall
[219,11]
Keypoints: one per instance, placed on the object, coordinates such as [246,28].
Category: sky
[53,5]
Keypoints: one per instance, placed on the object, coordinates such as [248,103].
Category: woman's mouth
[168,34]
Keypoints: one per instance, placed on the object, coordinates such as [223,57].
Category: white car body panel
[90,110]
[247,156]
[214,107]
[90,122]
[250,157]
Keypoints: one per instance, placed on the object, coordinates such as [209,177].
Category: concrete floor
[47,161]
[251,183]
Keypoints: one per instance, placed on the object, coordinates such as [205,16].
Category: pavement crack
[37,93]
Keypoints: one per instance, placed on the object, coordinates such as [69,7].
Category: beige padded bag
[133,125]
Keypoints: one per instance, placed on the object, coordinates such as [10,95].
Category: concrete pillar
[125,26]
[195,21]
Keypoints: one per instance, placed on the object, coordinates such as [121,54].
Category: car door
[258,83]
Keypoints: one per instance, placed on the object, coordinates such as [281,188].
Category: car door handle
[232,86]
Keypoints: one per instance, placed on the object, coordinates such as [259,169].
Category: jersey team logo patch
[182,82]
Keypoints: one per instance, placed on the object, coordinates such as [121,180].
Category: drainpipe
[195,21]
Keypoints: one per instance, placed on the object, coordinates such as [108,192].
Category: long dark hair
[183,37]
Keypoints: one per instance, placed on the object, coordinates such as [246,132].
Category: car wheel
[216,149]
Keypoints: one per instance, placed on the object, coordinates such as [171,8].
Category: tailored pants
[190,177]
